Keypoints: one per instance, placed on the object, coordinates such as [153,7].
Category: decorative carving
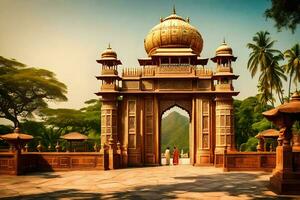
[147,85]
[205,122]
[149,124]
[131,141]
[205,141]
[131,123]
[131,72]
[149,106]
[131,107]
[135,85]
[203,72]
[205,107]
[224,87]
[175,70]
[178,85]
[167,104]
[149,130]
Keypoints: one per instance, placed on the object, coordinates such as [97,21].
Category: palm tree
[275,74]
[262,52]
[293,65]
[262,59]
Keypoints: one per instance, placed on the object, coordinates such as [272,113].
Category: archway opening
[175,131]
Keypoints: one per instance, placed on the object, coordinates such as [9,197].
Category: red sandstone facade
[173,74]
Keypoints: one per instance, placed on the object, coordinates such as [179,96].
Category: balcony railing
[224,87]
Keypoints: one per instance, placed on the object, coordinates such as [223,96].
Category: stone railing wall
[224,87]
[132,72]
[296,161]
[167,70]
[7,163]
[109,71]
[249,161]
[203,72]
[224,69]
[52,161]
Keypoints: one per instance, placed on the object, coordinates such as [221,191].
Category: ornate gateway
[172,74]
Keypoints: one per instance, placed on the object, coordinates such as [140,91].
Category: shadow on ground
[241,185]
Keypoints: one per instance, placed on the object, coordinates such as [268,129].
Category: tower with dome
[172,74]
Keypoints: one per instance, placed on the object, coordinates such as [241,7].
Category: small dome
[109,53]
[173,32]
[224,49]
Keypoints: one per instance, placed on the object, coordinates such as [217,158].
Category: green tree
[274,74]
[41,133]
[3,130]
[250,145]
[263,59]
[84,120]
[26,90]
[285,13]
[248,117]
[293,65]
[262,52]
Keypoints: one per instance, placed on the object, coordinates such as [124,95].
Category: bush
[250,145]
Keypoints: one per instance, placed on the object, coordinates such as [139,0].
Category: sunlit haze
[67,36]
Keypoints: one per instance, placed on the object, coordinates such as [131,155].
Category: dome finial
[174,10]
[109,46]
[188,19]
[224,42]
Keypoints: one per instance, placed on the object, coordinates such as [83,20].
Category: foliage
[261,125]
[25,90]
[56,122]
[266,60]
[293,65]
[248,118]
[262,52]
[285,13]
[250,145]
[296,127]
[3,130]
[68,120]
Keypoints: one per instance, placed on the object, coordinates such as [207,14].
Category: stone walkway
[166,182]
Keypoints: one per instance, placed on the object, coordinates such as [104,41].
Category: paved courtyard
[166,182]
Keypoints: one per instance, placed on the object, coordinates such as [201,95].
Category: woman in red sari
[175,156]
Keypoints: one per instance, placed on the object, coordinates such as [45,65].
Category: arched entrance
[175,131]
[172,74]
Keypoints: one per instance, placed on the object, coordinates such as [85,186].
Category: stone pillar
[109,136]
[224,128]
[203,131]
[284,180]
[111,154]
[108,121]
[260,145]
[18,169]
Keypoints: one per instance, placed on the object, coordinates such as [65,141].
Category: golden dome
[175,32]
[224,49]
[109,53]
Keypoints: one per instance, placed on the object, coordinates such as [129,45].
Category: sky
[67,36]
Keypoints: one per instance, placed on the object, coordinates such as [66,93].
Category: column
[224,127]
[109,137]
[203,128]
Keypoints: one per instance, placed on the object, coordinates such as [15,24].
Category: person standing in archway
[167,155]
[175,156]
